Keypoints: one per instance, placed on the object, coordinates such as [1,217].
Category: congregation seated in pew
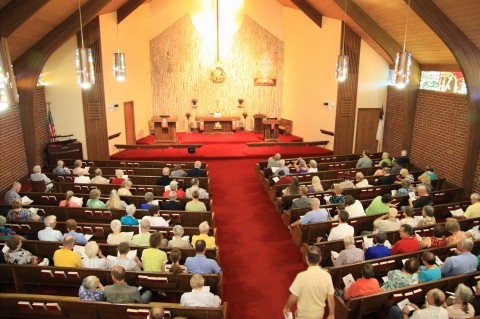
[81,178]
[19,213]
[38,176]
[70,200]
[65,257]
[200,264]
[195,205]
[364,286]
[99,179]
[94,201]
[71,226]
[17,255]
[351,254]
[143,237]
[195,186]
[199,297]
[430,270]
[380,205]
[196,170]
[94,257]
[129,219]
[117,236]
[172,203]
[178,241]
[124,190]
[165,179]
[119,179]
[114,201]
[204,229]
[154,217]
[50,233]
[407,243]
[60,168]
[174,188]
[379,250]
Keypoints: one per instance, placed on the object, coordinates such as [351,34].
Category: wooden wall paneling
[347,95]
[468,56]
[130,6]
[365,137]
[310,11]
[94,98]
[29,65]
[15,13]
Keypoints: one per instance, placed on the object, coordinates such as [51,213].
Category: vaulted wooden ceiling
[427,48]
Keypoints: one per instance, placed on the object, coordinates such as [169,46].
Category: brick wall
[13,161]
[41,125]
[440,133]
[476,180]
[393,137]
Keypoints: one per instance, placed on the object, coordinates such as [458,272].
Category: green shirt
[196,207]
[377,207]
[387,160]
[142,239]
[122,293]
[153,259]
[95,203]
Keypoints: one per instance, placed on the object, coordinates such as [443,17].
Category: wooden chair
[39,186]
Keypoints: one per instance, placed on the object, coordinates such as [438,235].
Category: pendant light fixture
[217,75]
[401,74]
[84,60]
[341,70]
[8,87]
[119,67]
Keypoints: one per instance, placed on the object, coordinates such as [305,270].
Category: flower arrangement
[188,115]
[244,114]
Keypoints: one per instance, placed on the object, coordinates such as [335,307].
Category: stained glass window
[450,82]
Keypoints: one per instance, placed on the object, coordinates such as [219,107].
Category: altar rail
[156,146]
[269,144]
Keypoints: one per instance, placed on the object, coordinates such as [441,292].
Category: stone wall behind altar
[181,60]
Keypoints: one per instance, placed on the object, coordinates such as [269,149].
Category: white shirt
[156,221]
[36,177]
[312,169]
[430,312]
[82,180]
[50,234]
[355,210]
[200,298]
[340,232]
[363,183]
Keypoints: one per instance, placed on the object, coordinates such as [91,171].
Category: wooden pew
[156,171]
[73,308]
[26,276]
[46,249]
[130,163]
[53,199]
[100,231]
[137,190]
[183,182]
[379,303]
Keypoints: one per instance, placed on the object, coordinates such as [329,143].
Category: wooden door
[129,123]
[365,138]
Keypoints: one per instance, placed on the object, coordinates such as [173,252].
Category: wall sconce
[240,102]
[194,103]
[8,86]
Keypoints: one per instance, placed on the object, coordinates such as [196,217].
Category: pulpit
[165,129]
[270,129]
[257,124]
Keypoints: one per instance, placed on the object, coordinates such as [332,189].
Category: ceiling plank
[15,13]
[468,57]
[130,6]
[310,11]
[29,65]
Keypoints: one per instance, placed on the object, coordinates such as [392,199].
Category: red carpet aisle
[258,256]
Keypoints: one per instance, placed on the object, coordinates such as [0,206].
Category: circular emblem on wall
[218,75]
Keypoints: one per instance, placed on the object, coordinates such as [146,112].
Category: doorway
[129,112]
[365,137]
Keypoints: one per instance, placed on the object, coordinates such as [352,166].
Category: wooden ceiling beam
[468,57]
[310,11]
[15,13]
[29,65]
[130,6]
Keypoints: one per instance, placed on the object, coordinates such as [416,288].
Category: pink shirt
[71,204]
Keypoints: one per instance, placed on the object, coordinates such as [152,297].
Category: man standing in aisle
[310,289]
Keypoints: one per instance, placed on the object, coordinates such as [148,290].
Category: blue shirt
[378,251]
[315,216]
[200,264]
[464,263]
[128,220]
[79,237]
[145,206]
[430,274]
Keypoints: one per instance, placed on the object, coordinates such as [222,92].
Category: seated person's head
[429,211]
[387,198]
[166,171]
[197,281]
[16,203]
[380,237]
[438,231]
[314,255]
[173,185]
[200,246]
[349,200]
[98,172]
[367,271]
[411,265]
[178,231]
[145,224]
[156,312]
[95,193]
[343,216]
[409,211]
[118,273]
[204,228]
[281,173]
[50,221]
[172,195]
[123,248]
[196,194]
[119,173]
[91,249]
[71,224]
[13,243]
[155,239]
[90,283]
[149,197]
[153,210]
[428,258]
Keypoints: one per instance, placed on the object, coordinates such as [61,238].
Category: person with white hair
[204,228]
[129,219]
[464,263]
[387,222]
[149,197]
[165,179]
[124,190]
[77,167]
[38,176]
[385,159]
[91,289]
[195,205]
[118,180]
[312,167]
[351,254]
[282,167]
[174,188]
[274,161]
[19,213]
[81,178]
[196,171]
[178,171]
[143,237]
[196,186]
[94,200]
[172,203]
[95,259]
[473,211]
[360,180]
[50,233]
[300,166]
[12,193]
[154,217]
[199,297]
[177,241]
[99,179]
[5,232]
[117,236]
[403,159]
[316,215]
[114,201]
[61,169]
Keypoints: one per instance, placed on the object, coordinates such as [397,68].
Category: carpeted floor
[257,253]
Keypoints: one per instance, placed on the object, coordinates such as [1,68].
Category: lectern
[165,129]
[270,129]
[257,124]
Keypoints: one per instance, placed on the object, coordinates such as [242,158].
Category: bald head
[435,297]
[156,312]
[422,190]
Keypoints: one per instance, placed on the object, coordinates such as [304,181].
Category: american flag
[51,126]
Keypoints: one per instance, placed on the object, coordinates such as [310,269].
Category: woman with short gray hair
[199,297]
[117,236]
[204,228]
[313,166]
[91,289]
[95,259]
[38,176]
[177,241]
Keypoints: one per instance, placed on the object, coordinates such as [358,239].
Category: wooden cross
[217,101]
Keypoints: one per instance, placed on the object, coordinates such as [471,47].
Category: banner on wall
[266,69]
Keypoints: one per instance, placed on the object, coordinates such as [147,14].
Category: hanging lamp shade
[85,70]
[342,67]
[402,69]
[119,67]
[8,87]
